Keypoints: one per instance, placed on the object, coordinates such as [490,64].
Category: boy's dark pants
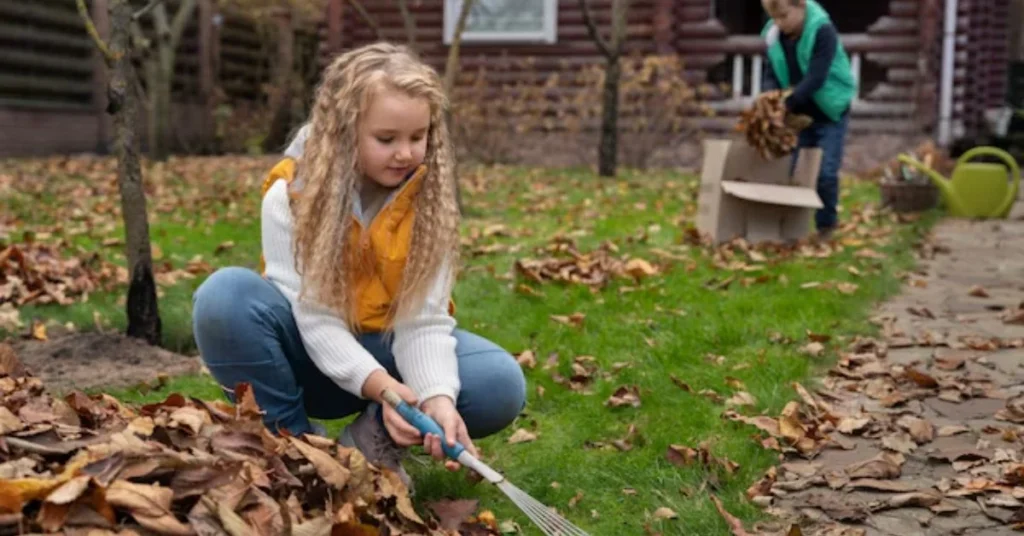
[830,137]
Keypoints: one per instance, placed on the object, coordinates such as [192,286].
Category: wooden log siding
[46,40]
[573,50]
[52,82]
[982,66]
[888,48]
[45,56]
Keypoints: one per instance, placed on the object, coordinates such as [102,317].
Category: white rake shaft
[549,522]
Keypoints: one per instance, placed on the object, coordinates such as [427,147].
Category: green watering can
[977,189]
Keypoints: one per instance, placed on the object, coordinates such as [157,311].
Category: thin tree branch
[142,43]
[149,7]
[588,18]
[181,18]
[410,23]
[451,68]
[367,18]
[90,27]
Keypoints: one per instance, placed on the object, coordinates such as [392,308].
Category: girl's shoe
[368,435]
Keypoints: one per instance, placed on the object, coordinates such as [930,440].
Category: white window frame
[549,34]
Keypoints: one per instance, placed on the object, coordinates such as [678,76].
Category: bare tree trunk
[206,75]
[123,97]
[284,73]
[168,36]
[367,18]
[609,149]
[612,51]
[410,23]
[451,68]
[451,71]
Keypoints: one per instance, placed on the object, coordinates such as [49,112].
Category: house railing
[748,58]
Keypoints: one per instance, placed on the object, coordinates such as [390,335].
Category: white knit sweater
[424,346]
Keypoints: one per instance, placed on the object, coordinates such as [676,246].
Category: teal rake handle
[422,422]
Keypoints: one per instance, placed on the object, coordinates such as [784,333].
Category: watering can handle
[913,162]
[992,151]
[1011,193]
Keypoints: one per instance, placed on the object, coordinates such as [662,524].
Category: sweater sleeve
[424,345]
[825,44]
[328,341]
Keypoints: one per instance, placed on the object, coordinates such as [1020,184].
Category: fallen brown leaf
[884,465]
[978,291]
[735,525]
[813,349]
[741,398]
[665,513]
[521,435]
[527,359]
[624,396]
[921,430]
[575,319]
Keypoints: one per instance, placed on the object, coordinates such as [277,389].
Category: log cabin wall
[1016,85]
[982,63]
[53,85]
[52,92]
[883,38]
[573,48]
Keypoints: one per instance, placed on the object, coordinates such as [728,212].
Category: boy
[805,55]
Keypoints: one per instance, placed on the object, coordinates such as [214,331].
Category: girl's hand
[404,434]
[442,409]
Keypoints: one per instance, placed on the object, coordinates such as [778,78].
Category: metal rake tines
[549,522]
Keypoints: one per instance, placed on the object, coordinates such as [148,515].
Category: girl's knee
[222,297]
[499,392]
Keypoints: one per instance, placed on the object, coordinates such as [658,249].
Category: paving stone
[907,356]
[989,254]
[1010,362]
[896,523]
[959,524]
[974,408]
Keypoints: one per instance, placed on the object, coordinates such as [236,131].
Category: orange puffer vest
[379,277]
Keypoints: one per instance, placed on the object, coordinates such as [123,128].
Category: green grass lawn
[688,324]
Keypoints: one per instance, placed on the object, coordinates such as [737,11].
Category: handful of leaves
[769,127]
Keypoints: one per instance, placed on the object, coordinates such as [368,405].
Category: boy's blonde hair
[328,177]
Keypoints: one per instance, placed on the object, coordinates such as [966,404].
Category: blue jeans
[245,332]
[830,137]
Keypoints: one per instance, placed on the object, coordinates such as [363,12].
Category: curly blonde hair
[328,177]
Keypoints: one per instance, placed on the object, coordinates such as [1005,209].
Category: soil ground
[93,360]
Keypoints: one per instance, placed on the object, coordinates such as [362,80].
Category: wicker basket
[909,196]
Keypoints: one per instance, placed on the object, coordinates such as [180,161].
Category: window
[492,21]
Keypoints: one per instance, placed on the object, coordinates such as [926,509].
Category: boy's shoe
[825,235]
[368,435]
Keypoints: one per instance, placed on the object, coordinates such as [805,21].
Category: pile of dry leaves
[594,269]
[768,126]
[33,272]
[37,272]
[90,465]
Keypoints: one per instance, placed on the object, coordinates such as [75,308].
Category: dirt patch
[90,360]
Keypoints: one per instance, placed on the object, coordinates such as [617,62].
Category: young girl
[360,244]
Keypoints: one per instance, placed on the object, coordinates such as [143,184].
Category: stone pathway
[920,433]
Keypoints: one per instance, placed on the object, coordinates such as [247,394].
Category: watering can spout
[942,183]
